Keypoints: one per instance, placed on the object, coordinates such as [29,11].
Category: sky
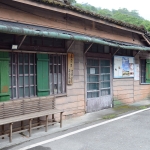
[142,6]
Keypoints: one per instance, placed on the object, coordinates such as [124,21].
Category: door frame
[111,77]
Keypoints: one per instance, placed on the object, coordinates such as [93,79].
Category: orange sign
[70,68]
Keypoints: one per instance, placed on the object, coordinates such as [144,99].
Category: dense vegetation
[124,14]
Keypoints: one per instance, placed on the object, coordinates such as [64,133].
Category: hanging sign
[70,68]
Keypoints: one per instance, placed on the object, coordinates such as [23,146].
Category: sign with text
[70,68]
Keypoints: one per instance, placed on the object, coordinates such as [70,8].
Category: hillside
[132,17]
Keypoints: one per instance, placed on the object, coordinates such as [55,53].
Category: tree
[123,14]
[72,1]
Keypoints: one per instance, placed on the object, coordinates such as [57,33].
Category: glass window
[92,78]
[93,70]
[123,52]
[98,78]
[92,86]
[57,74]
[92,94]
[143,70]
[106,49]
[93,62]
[22,75]
[105,84]
[105,92]
[105,69]
[97,48]
[105,62]
[105,77]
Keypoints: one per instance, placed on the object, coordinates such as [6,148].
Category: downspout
[30,32]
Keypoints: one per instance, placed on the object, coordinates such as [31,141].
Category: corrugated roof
[59,4]
[73,34]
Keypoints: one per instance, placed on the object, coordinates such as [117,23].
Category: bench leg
[22,125]
[3,130]
[53,119]
[46,125]
[10,132]
[30,127]
[61,120]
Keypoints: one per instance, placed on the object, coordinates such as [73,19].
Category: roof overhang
[30,30]
[82,14]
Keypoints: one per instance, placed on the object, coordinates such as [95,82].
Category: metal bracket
[145,39]
[88,48]
[137,53]
[22,41]
[70,46]
[115,52]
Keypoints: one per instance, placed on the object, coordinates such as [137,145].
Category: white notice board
[123,67]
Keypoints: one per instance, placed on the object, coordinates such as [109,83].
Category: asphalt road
[130,133]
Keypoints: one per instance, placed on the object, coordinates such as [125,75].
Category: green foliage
[123,14]
[72,1]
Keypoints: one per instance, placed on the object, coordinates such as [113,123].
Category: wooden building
[89,62]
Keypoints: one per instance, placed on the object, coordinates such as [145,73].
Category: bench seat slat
[29,116]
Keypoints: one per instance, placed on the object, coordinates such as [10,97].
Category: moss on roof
[67,6]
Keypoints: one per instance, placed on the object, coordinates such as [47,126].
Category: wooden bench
[28,109]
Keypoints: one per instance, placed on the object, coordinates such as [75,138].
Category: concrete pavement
[130,133]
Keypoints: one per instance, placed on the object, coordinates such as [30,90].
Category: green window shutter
[42,75]
[4,76]
[147,70]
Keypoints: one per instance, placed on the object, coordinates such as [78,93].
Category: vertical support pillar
[53,119]
[10,132]
[3,130]
[22,126]
[46,125]
[61,119]
[30,127]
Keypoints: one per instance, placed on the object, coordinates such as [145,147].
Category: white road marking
[81,130]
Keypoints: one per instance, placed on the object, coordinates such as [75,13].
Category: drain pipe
[30,32]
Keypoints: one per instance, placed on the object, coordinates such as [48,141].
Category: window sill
[60,95]
[36,97]
[144,83]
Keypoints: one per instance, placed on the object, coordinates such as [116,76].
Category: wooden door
[99,95]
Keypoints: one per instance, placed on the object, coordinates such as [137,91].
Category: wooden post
[22,125]
[30,127]
[3,131]
[39,122]
[53,119]
[46,125]
[61,119]
[10,132]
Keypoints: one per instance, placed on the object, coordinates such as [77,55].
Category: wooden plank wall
[45,18]
[123,91]
[141,92]
[74,103]
[128,90]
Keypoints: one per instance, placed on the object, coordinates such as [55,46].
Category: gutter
[83,38]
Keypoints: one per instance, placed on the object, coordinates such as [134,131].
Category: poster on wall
[123,66]
[136,72]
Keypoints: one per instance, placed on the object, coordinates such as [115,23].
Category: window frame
[111,78]
[141,72]
[14,62]
[63,82]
